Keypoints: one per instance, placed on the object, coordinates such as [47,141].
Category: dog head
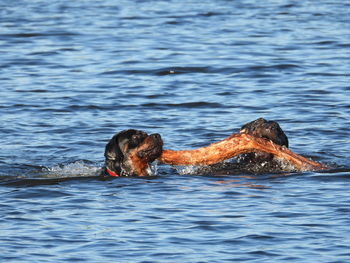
[130,152]
[266,129]
[270,130]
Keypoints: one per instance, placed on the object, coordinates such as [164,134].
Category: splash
[75,169]
[190,170]
[82,168]
[154,168]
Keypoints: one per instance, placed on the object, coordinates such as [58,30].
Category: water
[73,73]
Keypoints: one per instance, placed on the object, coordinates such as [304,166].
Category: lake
[73,73]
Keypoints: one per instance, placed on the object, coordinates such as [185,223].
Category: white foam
[153,169]
[81,169]
[190,170]
[285,165]
[75,169]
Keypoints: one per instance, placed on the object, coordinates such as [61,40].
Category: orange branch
[232,146]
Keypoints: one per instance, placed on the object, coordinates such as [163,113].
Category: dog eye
[135,140]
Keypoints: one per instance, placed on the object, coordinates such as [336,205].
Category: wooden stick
[232,146]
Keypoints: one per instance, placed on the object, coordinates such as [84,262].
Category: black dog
[254,162]
[130,152]
[262,128]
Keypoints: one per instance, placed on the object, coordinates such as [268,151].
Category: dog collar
[111,173]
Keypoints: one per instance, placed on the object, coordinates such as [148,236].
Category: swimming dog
[130,152]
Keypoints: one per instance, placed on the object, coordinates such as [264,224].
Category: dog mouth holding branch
[259,162]
[130,152]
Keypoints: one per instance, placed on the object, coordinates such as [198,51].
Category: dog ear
[113,154]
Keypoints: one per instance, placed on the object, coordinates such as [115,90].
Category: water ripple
[73,73]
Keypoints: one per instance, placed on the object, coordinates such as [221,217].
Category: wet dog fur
[269,130]
[130,152]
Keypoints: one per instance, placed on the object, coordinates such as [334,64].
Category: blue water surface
[73,73]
